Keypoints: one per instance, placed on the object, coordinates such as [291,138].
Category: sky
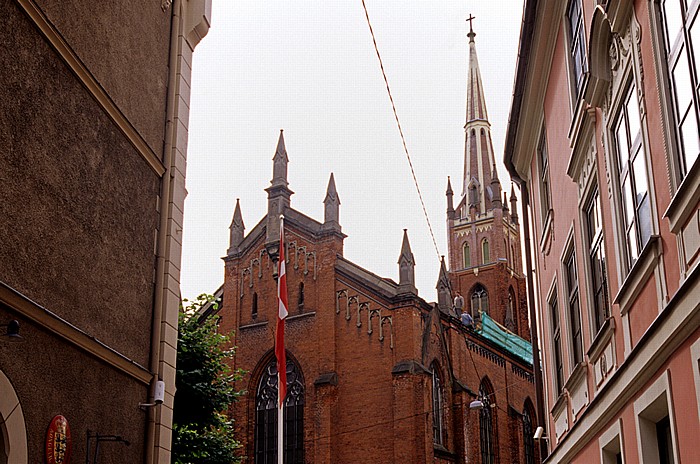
[309,67]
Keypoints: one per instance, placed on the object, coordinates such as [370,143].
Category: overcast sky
[309,67]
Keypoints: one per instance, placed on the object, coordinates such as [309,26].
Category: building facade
[94,103]
[374,371]
[603,139]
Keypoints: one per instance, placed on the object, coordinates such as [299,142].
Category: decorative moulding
[639,274]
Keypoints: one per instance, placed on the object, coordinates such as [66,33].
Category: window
[556,343]
[510,320]
[574,311]
[543,160]
[528,432]
[634,188]
[480,300]
[301,296]
[438,407]
[610,443]
[486,429]
[596,259]
[266,416]
[466,255]
[655,423]
[681,30]
[485,252]
[254,307]
[574,18]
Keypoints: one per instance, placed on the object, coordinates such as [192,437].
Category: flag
[282,314]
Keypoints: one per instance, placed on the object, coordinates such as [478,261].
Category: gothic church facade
[376,373]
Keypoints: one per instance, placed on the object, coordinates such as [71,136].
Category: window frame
[573,305]
[543,179]
[555,333]
[485,251]
[438,406]
[488,443]
[576,39]
[482,299]
[596,271]
[466,255]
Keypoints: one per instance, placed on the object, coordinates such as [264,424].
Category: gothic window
[543,160]
[301,296]
[466,256]
[438,406]
[596,259]
[528,432]
[485,252]
[254,307]
[556,342]
[681,31]
[266,416]
[486,424]
[573,307]
[632,169]
[575,36]
[480,300]
[511,319]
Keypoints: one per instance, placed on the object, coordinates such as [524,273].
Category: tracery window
[486,424]
[266,416]
[528,432]
[438,406]
[480,300]
[511,319]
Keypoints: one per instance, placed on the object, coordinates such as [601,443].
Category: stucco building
[93,134]
[377,373]
[603,137]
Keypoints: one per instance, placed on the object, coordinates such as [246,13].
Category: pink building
[603,137]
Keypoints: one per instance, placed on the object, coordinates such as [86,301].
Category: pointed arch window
[510,320]
[254,306]
[486,424]
[301,296]
[528,432]
[466,255]
[266,416]
[485,252]
[438,406]
[480,300]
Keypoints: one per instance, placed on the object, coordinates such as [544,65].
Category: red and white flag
[282,314]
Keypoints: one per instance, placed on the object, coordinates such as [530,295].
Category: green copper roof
[499,335]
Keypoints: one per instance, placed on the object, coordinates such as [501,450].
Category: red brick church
[375,372]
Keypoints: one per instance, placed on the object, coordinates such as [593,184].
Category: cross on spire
[471,34]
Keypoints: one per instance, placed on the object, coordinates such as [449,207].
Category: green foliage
[202,433]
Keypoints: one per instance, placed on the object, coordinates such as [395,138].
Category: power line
[403,139]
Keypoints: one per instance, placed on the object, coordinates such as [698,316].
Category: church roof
[505,339]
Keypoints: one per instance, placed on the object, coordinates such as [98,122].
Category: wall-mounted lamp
[158,395]
[11,332]
[476,404]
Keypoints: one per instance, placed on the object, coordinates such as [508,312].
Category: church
[376,373]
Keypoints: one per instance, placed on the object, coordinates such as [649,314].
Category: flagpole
[279,344]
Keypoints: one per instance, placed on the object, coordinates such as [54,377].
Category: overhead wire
[403,139]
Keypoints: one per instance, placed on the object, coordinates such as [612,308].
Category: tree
[202,433]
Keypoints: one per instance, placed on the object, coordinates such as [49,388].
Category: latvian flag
[279,334]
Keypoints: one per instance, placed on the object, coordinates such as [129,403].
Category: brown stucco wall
[77,204]
[124,44]
[52,377]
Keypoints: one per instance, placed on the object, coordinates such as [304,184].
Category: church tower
[483,233]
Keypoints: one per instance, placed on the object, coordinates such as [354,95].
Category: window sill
[441,452]
[685,200]
[547,233]
[638,275]
[601,339]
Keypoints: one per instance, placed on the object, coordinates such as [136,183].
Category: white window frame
[611,442]
[651,406]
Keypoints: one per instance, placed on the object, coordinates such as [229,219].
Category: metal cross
[470,19]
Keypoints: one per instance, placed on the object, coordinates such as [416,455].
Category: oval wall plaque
[58,441]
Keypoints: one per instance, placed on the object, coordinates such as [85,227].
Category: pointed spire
[444,289]
[513,205]
[476,103]
[331,205]
[450,201]
[505,201]
[495,188]
[407,264]
[278,193]
[237,229]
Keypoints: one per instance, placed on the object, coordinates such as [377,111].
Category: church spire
[407,265]
[450,203]
[478,148]
[278,194]
[237,229]
[331,204]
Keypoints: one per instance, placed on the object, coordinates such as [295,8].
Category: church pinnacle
[478,147]
[407,264]
[237,229]
[331,206]
[278,193]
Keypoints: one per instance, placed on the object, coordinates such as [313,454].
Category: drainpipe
[165,200]
[539,386]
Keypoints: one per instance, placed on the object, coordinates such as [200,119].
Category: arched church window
[486,423]
[528,431]
[438,406]
[301,296]
[511,320]
[480,300]
[266,416]
[254,306]
[485,252]
[466,255]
